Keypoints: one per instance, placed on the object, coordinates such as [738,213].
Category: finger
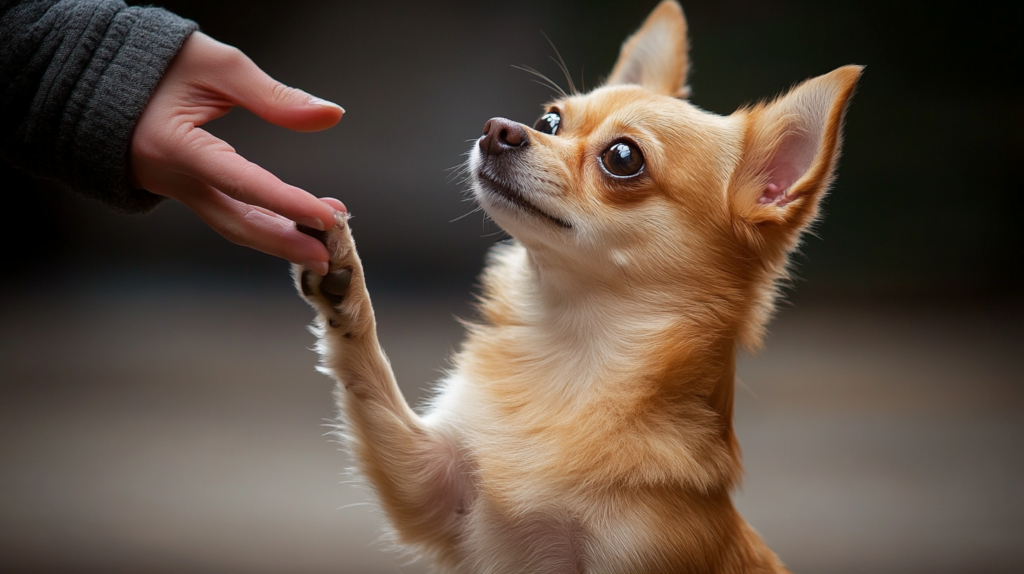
[254,227]
[334,203]
[214,162]
[243,82]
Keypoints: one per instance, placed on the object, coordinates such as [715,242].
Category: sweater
[76,75]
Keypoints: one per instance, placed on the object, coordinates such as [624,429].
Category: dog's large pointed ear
[655,57]
[790,152]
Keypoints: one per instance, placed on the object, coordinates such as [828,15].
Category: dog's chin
[500,200]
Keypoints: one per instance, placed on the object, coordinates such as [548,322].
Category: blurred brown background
[158,407]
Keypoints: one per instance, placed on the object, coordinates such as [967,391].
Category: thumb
[250,87]
[290,107]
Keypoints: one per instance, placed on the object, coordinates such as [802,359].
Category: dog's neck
[584,337]
[605,295]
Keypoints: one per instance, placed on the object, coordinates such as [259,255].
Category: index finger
[216,163]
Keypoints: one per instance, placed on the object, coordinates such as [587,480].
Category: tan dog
[587,424]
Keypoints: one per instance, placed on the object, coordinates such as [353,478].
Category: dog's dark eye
[622,159]
[548,123]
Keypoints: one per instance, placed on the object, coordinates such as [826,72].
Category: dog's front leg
[416,469]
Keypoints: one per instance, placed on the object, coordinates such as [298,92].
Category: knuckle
[239,180]
[185,136]
[231,56]
[231,184]
[281,94]
[230,230]
[234,182]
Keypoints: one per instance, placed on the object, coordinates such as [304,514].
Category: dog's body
[586,425]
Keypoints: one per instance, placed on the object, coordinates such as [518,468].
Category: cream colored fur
[587,423]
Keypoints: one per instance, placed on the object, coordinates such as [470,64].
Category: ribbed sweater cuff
[132,57]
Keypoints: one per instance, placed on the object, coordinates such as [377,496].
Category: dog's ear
[790,151]
[655,56]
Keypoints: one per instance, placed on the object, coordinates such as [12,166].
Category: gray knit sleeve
[76,75]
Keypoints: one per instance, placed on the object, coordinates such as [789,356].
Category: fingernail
[332,202]
[315,101]
[312,222]
[318,267]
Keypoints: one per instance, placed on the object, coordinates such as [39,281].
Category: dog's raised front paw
[337,295]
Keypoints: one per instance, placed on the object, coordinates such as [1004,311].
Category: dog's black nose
[501,135]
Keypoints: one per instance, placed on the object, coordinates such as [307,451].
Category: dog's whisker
[547,82]
[465,215]
[745,387]
[495,234]
[459,172]
[561,64]
[353,505]
[565,72]
[461,175]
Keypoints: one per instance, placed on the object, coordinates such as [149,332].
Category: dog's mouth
[513,197]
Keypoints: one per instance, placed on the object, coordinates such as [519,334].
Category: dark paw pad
[335,284]
[306,283]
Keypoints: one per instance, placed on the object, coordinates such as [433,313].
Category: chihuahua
[586,425]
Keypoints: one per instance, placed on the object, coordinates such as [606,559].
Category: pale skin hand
[171,155]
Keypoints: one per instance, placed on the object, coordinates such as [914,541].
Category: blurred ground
[169,426]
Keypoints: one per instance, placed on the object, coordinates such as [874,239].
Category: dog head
[632,184]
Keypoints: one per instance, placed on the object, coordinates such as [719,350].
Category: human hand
[171,155]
